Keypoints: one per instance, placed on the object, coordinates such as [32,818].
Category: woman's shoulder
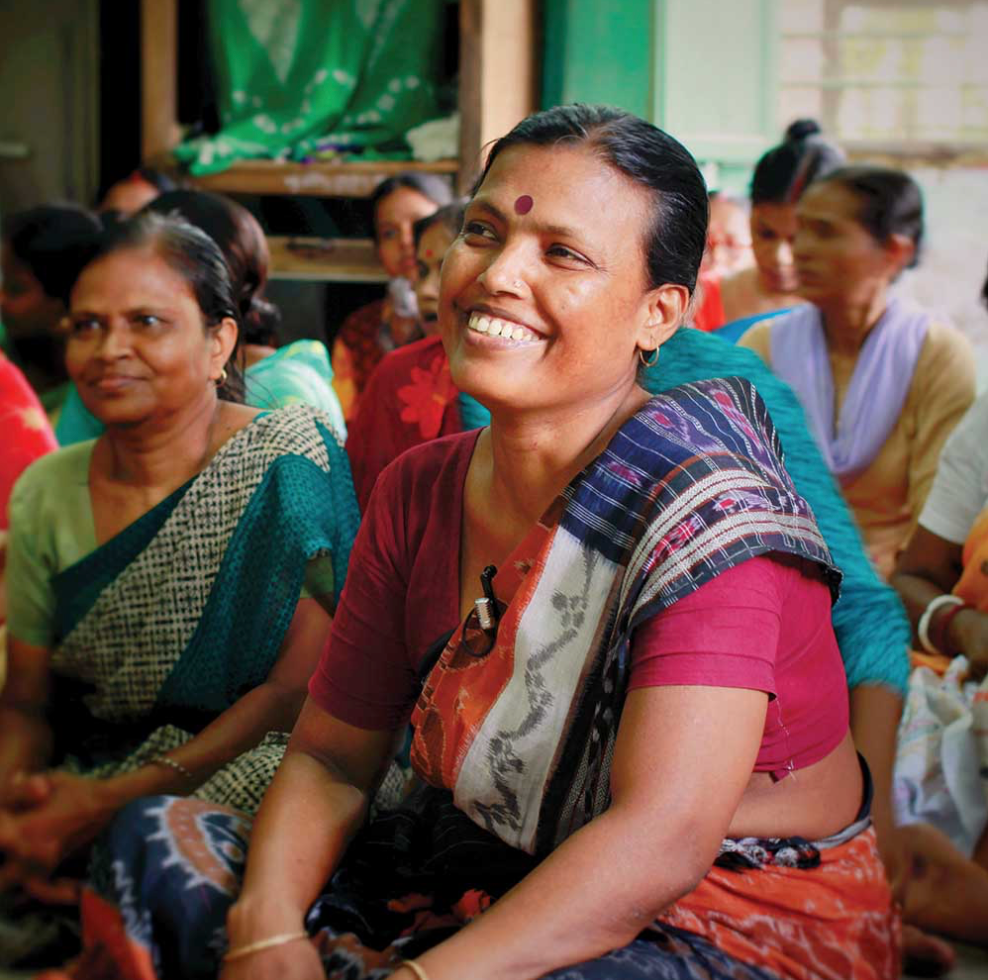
[944,340]
[52,488]
[758,337]
[945,364]
[433,470]
[433,462]
[297,430]
[55,470]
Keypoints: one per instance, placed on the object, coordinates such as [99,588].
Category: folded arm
[62,812]
[324,784]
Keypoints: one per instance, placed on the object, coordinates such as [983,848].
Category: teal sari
[166,625]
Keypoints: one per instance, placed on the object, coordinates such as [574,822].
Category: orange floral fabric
[834,922]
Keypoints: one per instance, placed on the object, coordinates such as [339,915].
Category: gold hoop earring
[222,379]
[653,357]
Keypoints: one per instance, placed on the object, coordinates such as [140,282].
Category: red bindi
[428,253]
[523,205]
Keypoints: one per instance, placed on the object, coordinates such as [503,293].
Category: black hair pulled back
[785,171]
[191,253]
[654,160]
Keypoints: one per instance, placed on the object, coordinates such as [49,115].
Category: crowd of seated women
[613,684]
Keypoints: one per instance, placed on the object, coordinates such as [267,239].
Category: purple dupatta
[881,381]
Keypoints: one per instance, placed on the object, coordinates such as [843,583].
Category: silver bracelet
[239,952]
[923,629]
[164,760]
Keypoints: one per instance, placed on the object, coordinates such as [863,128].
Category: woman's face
[25,308]
[836,256]
[773,229]
[138,348]
[435,240]
[393,221]
[728,238]
[544,299]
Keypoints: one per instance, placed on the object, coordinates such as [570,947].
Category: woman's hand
[58,814]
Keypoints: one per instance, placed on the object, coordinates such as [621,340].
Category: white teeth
[495,327]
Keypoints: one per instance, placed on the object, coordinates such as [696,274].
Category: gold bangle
[164,760]
[240,952]
[416,968]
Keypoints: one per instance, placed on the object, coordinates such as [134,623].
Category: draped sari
[513,747]
[168,623]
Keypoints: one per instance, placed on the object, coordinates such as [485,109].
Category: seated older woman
[274,377]
[633,749]
[157,633]
[882,383]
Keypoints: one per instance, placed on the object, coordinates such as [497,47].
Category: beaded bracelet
[164,760]
[923,629]
[239,952]
[416,968]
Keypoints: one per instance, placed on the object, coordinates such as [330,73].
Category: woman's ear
[223,338]
[665,310]
[901,250]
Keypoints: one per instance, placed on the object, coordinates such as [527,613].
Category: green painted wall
[705,70]
[598,51]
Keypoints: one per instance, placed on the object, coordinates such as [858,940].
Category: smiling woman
[608,618]
[146,653]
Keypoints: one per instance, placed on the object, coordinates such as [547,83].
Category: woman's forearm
[287,869]
[241,727]
[593,894]
[875,712]
[25,740]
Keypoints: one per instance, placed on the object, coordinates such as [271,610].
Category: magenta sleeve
[725,634]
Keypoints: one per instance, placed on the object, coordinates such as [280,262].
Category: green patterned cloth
[304,78]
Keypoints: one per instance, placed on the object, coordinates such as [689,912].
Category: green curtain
[299,79]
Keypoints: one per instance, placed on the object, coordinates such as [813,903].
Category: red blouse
[763,625]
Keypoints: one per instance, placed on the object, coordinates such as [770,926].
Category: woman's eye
[478,228]
[83,326]
[388,234]
[562,252]
[147,320]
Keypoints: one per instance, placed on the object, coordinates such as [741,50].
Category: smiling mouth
[112,382]
[494,326]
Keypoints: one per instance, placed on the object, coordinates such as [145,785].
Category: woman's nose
[784,254]
[505,273]
[429,286]
[114,342]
